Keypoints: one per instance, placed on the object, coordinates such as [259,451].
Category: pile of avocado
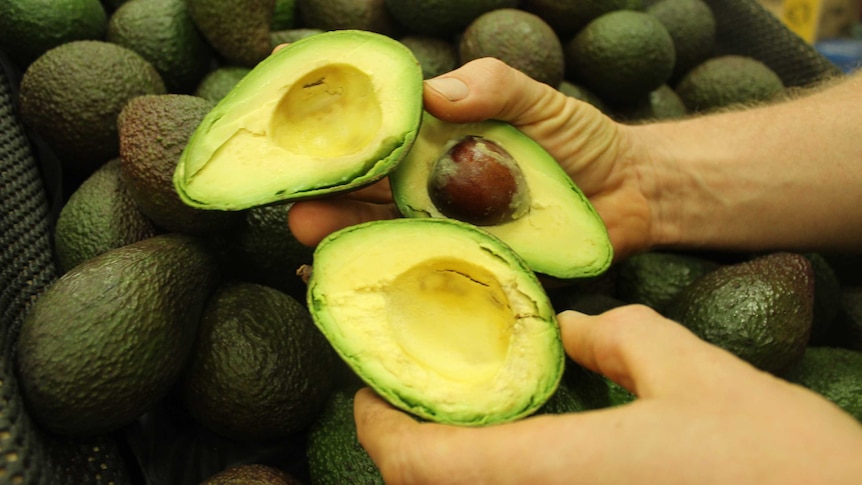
[184,298]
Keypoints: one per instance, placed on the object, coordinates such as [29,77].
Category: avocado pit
[477,181]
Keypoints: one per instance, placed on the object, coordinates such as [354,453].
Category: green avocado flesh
[559,234]
[329,113]
[440,318]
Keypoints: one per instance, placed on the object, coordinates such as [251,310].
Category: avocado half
[329,113]
[557,231]
[440,318]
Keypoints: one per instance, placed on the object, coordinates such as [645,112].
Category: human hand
[702,416]
[588,145]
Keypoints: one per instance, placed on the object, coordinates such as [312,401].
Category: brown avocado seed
[478,181]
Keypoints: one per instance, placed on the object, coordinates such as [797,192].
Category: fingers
[407,451]
[379,192]
[646,353]
[311,221]
[487,88]
[404,450]
[377,423]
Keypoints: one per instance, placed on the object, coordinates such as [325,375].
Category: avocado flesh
[331,112]
[440,318]
[561,235]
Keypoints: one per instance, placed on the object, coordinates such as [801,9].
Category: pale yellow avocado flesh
[440,321]
[559,234]
[329,111]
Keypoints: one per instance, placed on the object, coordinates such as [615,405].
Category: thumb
[487,88]
[642,351]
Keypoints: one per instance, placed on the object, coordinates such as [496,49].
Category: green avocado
[621,56]
[656,278]
[217,83]
[109,339]
[536,50]
[238,30]
[163,33]
[72,94]
[30,28]
[761,310]
[251,474]
[440,318]
[833,372]
[153,131]
[328,113]
[728,81]
[99,215]
[511,187]
[259,370]
[335,456]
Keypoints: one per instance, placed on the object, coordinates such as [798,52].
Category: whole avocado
[761,310]
[153,131]
[441,18]
[72,95]
[109,339]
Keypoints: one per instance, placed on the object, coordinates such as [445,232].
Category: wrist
[649,163]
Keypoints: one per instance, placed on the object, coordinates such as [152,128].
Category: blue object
[844,53]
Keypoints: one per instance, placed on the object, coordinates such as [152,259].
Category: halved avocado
[550,222]
[442,319]
[329,113]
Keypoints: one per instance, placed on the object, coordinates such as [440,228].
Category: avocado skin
[661,103]
[726,81]
[827,299]
[28,29]
[583,390]
[536,50]
[833,372]
[251,474]
[163,33]
[237,30]
[621,56]
[72,95]
[100,215]
[656,278]
[217,83]
[568,17]
[441,18]
[260,370]
[153,132]
[109,338]
[370,15]
[761,310]
[436,56]
[692,26]
[264,250]
[335,456]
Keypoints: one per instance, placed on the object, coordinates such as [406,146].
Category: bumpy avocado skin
[109,339]
[761,310]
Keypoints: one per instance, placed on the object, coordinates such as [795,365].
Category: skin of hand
[587,144]
[702,416]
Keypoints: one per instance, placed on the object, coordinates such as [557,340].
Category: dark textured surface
[744,27]
[30,193]
[28,455]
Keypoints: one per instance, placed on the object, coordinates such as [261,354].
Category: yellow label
[802,17]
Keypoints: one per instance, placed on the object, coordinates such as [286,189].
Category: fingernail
[451,88]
